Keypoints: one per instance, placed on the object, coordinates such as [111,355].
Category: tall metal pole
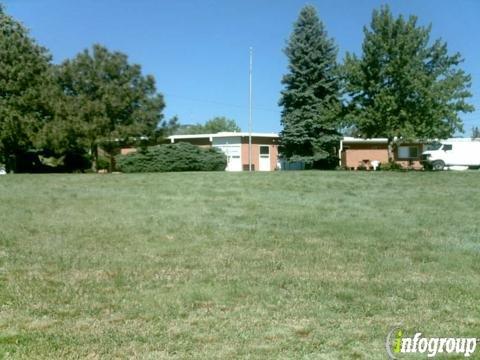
[250,114]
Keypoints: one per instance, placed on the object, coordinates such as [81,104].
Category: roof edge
[222,134]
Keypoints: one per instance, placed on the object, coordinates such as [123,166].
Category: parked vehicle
[452,153]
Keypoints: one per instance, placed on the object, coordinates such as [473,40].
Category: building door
[231,146]
[234,163]
[264,161]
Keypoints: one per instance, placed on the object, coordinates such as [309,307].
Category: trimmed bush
[172,157]
[390,166]
[103,163]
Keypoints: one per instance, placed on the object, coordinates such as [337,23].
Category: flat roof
[348,139]
[222,134]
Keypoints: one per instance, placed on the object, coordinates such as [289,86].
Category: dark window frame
[264,147]
[410,157]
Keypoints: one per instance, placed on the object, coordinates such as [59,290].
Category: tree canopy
[221,123]
[96,99]
[404,86]
[212,126]
[25,89]
[310,98]
[106,100]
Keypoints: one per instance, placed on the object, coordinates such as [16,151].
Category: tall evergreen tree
[310,98]
[403,87]
[106,99]
[25,88]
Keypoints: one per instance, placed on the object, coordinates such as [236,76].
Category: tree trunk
[11,163]
[94,151]
[112,163]
[391,157]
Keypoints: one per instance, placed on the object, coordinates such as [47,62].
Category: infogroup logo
[399,345]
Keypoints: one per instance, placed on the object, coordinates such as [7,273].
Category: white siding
[232,147]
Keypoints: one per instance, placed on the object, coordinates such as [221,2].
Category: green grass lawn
[285,265]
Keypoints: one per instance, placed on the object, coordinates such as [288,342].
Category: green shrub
[172,157]
[362,167]
[103,162]
[390,166]
[328,163]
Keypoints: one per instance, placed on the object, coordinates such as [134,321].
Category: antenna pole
[250,113]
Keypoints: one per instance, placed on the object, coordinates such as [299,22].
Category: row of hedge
[172,157]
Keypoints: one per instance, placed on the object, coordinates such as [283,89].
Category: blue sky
[198,49]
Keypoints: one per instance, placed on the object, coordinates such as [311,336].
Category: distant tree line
[212,126]
[402,86]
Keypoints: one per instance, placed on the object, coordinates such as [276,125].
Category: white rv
[453,153]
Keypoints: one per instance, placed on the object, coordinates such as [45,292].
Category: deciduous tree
[403,86]
[25,90]
[219,124]
[107,100]
[212,126]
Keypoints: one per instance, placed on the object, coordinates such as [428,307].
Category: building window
[408,152]
[264,150]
